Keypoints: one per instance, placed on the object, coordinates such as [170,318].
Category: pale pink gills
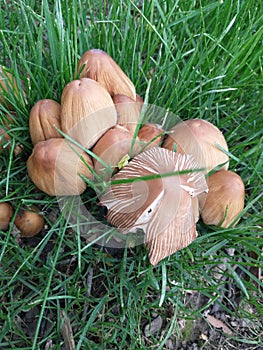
[87,111]
[159,206]
[225,199]
[201,139]
[44,117]
[98,65]
[128,111]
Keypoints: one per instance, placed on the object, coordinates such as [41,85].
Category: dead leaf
[153,327]
[215,322]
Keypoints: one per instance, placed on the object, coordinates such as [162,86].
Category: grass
[197,59]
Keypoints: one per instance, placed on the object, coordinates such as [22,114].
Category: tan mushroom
[29,221]
[201,139]
[128,111]
[162,206]
[87,111]
[151,135]
[55,167]
[115,144]
[6,213]
[225,199]
[44,117]
[98,65]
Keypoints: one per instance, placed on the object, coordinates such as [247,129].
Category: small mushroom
[98,65]
[201,139]
[225,199]
[6,213]
[87,111]
[162,206]
[29,221]
[151,135]
[55,167]
[111,148]
[128,111]
[44,115]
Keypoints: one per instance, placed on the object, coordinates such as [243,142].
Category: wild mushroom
[29,221]
[55,167]
[225,199]
[87,111]
[201,139]
[128,111]
[98,65]
[151,135]
[6,213]
[111,148]
[44,115]
[161,206]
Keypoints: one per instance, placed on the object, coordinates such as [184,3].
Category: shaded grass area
[196,59]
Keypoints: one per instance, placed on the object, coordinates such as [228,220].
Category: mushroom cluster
[159,181]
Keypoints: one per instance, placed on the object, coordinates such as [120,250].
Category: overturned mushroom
[98,65]
[44,117]
[56,165]
[161,206]
[201,139]
[225,199]
[87,111]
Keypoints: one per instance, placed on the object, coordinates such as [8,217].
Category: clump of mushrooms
[156,184]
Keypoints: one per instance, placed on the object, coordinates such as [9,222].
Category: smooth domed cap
[98,65]
[87,111]
[201,139]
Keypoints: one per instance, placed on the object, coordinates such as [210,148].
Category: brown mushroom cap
[29,222]
[162,207]
[199,138]
[44,115]
[225,199]
[6,213]
[87,111]
[128,111]
[55,166]
[111,148]
[98,65]
[151,134]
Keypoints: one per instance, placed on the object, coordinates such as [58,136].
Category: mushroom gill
[161,205]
